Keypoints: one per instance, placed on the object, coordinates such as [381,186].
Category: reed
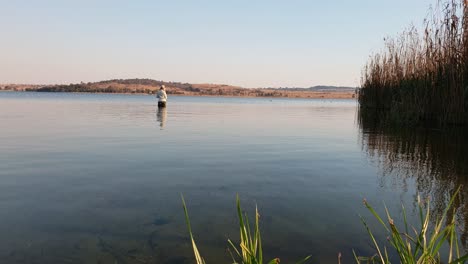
[418,245]
[422,77]
[411,245]
[250,249]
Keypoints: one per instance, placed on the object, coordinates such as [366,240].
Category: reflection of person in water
[161,116]
[162,96]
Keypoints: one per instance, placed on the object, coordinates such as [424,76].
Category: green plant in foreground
[424,245]
[250,247]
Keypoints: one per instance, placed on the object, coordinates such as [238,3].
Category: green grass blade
[404,218]
[232,257]
[356,257]
[242,229]
[258,236]
[304,260]
[373,240]
[376,215]
[198,257]
[235,249]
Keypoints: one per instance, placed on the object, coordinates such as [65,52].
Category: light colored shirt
[162,96]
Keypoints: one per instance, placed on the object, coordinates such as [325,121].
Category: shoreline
[309,95]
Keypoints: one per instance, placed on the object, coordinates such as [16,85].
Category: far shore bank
[296,95]
[149,86]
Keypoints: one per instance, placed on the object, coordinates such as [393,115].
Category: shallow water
[95,178]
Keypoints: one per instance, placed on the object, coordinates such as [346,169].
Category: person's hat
[163,87]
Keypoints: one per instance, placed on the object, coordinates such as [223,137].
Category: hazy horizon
[261,44]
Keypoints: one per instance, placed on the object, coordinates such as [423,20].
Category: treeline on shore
[174,90]
[422,78]
[83,88]
[148,86]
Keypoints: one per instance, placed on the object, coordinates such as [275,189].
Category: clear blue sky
[248,43]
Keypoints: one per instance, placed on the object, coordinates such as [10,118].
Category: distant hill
[149,86]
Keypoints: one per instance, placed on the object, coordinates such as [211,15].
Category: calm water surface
[88,178]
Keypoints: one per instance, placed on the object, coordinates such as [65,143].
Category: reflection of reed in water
[161,116]
[436,160]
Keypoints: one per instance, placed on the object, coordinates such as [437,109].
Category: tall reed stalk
[422,77]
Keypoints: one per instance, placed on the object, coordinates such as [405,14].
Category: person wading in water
[162,97]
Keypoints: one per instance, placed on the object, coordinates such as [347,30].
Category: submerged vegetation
[436,236]
[422,77]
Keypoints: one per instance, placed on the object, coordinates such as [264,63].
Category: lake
[98,178]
